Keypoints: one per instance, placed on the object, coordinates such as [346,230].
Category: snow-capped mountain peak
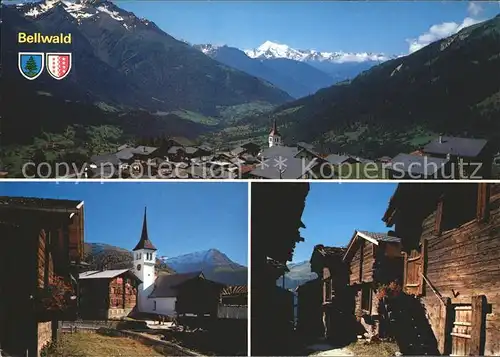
[208,48]
[83,9]
[270,50]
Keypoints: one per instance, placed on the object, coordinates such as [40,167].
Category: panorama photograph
[375,269]
[120,269]
[250,90]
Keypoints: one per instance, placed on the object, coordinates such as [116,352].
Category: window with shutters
[414,270]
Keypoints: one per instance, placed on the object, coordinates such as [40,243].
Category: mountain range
[449,87]
[297,72]
[299,273]
[128,61]
[126,73]
[214,264]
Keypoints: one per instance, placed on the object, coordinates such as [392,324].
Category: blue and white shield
[31,64]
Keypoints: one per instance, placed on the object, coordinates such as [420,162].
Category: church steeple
[144,242]
[274,129]
[274,136]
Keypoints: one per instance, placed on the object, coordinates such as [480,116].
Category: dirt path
[327,350]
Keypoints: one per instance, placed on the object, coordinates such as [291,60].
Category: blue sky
[367,26]
[334,211]
[182,217]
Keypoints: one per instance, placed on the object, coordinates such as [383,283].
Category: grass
[195,117]
[373,348]
[96,345]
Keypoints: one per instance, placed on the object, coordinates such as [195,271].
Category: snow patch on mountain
[80,9]
[270,50]
[208,49]
[114,14]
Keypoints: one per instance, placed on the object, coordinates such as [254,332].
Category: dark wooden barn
[337,300]
[309,309]
[374,259]
[107,294]
[198,296]
[276,219]
[190,294]
[235,295]
[451,238]
[41,248]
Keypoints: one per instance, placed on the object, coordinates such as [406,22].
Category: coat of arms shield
[58,64]
[30,64]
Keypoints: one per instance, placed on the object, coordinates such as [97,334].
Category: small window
[154,305]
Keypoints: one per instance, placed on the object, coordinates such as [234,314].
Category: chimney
[440,139]
[144,148]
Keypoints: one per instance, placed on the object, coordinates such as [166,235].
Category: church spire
[144,242]
[274,136]
[274,129]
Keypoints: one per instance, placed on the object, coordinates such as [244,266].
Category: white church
[274,136]
[156,294]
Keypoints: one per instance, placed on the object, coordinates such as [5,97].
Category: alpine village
[428,286]
[180,158]
[53,295]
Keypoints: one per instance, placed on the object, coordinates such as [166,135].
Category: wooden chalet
[336,299]
[309,309]
[145,153]
[234,303]
[41,248]
[235,295]
[187,293]
[251,148]
[107,294]
[451,238]
[176,153]
[410,166]
[374,259]
[198,296]
[472,152]
[276,220]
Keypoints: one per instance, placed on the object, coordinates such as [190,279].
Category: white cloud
[474,9]
[439,31]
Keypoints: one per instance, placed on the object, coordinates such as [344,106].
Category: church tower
[144,258]
[274,136]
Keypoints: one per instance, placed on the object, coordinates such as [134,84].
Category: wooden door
[468,329]
[461,330]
